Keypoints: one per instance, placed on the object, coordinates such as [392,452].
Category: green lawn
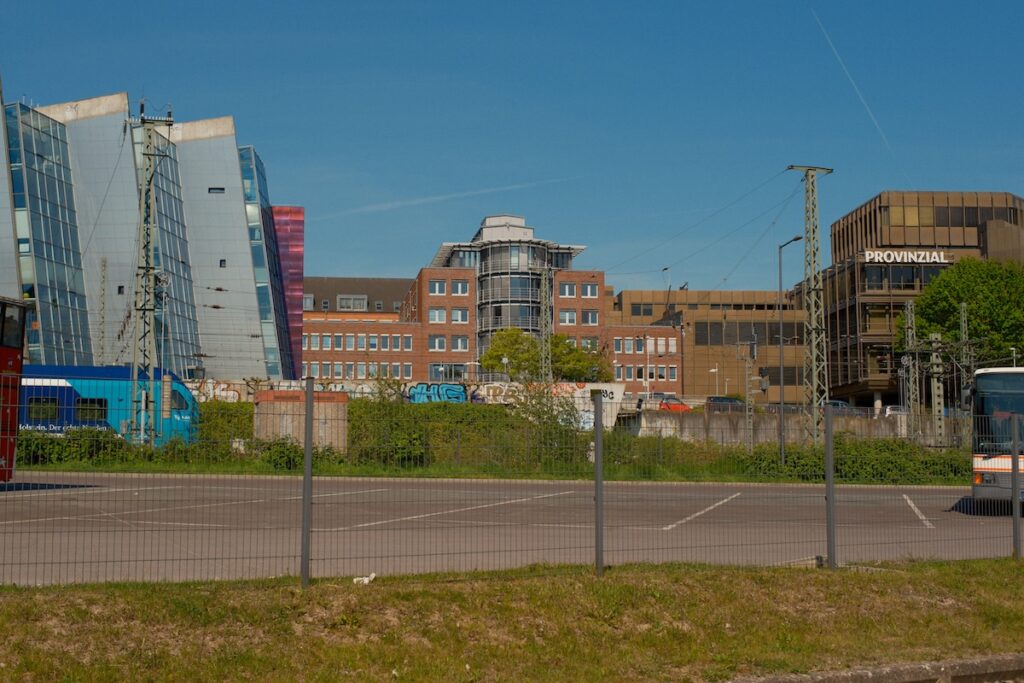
[667,622]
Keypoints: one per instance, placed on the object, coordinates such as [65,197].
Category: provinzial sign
[906,257]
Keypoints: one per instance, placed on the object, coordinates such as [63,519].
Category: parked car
[723,404]
[673,405]
[840,407]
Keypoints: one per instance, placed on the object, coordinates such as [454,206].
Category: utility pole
[144,356]
[747,352]
[816,358]
[545,324]
[966,371]
[938,392]
[910,362]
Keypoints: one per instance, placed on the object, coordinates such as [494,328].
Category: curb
[996,668]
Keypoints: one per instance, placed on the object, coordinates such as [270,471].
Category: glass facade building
[266,265]
[289,225]
[47,238]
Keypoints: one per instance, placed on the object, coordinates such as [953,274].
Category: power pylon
[816,358]
[910,362]
[144,356]
[545,325]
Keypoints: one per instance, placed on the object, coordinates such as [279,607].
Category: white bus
[998,397]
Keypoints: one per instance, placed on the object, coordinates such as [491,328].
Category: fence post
[830,492]
[1015,482]
[595,394]
[307,487]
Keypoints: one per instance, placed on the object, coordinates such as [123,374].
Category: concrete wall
[731,428]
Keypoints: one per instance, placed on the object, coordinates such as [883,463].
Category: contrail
[434,199]
[860,96]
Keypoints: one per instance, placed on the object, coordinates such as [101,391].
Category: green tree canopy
[994,294]
[568,363]
[521,350]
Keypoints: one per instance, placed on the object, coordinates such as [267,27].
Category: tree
[568,363]
[993,292]
[521,351]
[573,364]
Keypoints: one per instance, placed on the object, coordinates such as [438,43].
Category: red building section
[290,225]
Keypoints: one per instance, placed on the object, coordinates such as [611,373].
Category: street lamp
[1013,350]
[782,364]
[715,370]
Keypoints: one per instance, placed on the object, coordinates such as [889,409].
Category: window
[617,345]
[567,317]
[308,301]
[91,409]
[460,287]
[407,371]
[396,342]
[360,370]
[460,315]
[672,373]
[378,305]
[567,289]
[589,290]
[385,342]
[435,342]
[351,302]
[339,342]
[326,371]
[437,287]
[437,315]
[373,342]
[314,342]
[629,372]
[460,343]
[627,345]
[639,344]
[641,309]
[590,317]
[325,305]
[407,342]
[215,190]
[589,343]
[178,402]
[618,372]
[350,370]
[339,370]
[360,342]
[350,342]
[223,263]
[305,342]
[396,370]
[661,344]
[671,344]
[305,369]
[314,369]
[373,371]
[326,345]
[120,290]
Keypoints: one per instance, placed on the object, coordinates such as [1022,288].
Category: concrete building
[883,254]
[69,216]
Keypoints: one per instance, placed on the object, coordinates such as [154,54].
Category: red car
[673,405]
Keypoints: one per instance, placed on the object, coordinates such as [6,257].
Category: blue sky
[640,130]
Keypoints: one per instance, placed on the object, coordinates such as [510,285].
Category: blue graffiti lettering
[437,393]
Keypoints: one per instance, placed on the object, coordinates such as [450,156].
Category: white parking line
[176,508]
[920,515]
[82,489]
[695,515]
[450,512]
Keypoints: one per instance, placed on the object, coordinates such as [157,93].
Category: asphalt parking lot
[66,527]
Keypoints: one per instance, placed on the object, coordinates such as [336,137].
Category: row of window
[639,344]
[440,287]
[438,314]
[567,290]
[438,342]
[567,316]
[357,342]
[360,370]
[345,302]
[655,372]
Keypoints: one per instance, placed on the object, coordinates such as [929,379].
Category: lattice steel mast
[816,358]
[144,355]
[545,324]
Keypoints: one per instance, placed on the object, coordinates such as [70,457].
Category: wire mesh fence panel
[134,480]
[457,487]
[903,498]
[710,487]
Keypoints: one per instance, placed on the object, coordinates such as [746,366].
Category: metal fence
[314,485]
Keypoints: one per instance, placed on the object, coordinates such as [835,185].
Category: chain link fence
[316,484]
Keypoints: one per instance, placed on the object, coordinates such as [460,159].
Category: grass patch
[667,622]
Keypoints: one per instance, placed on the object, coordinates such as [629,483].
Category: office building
[290,226]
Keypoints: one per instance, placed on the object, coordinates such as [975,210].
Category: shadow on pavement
[13,486]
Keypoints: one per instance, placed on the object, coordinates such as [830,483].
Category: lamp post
[1013,350]
[782,364]
[715,370]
